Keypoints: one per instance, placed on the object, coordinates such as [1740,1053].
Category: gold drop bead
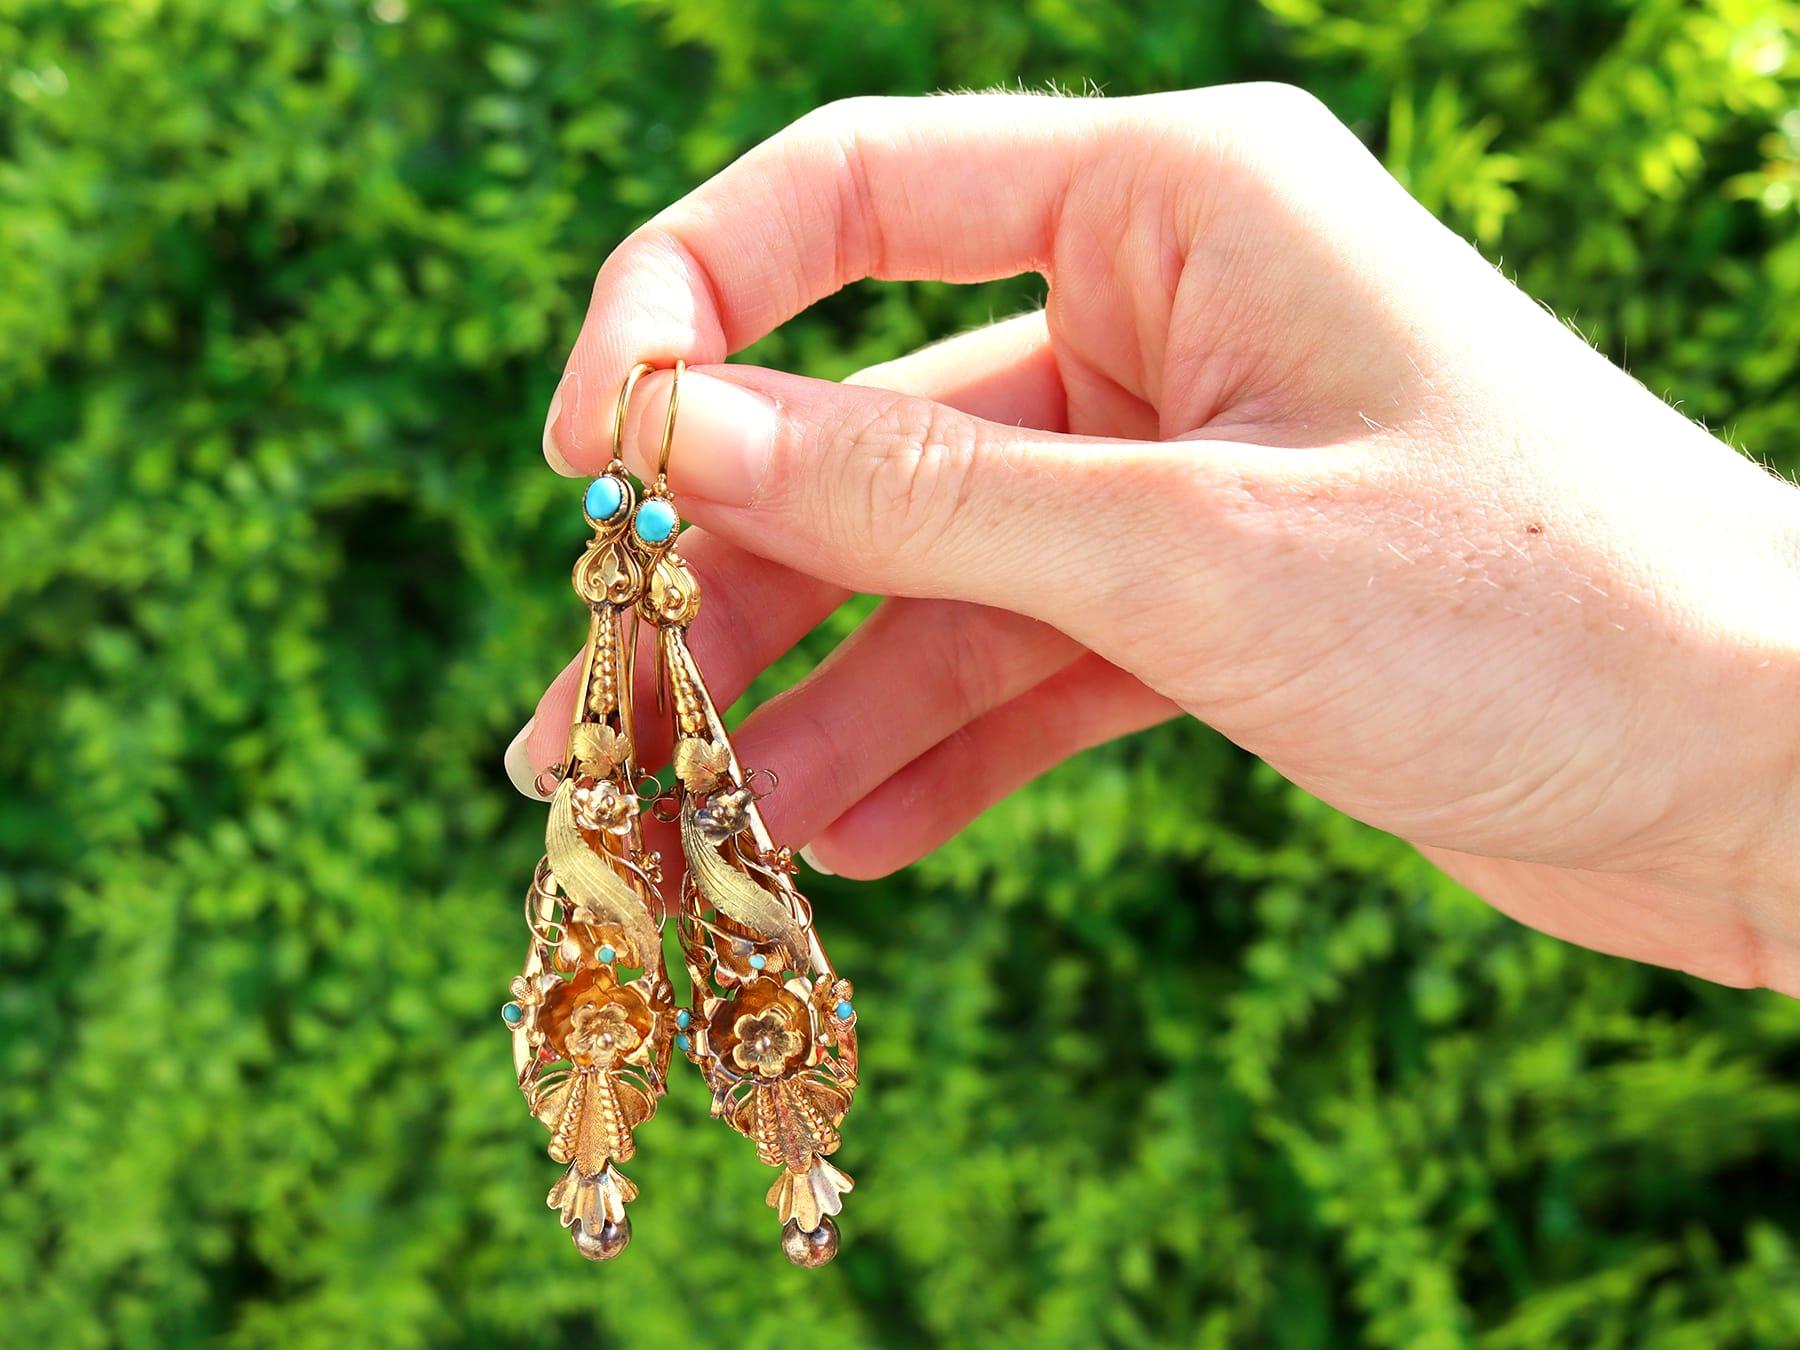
[606,1243]
[809,1249]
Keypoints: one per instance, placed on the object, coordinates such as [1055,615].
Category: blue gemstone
[682,1019]
[844,1010]
[655,521]
[682,1042]
[604,498]
[607,953]
[512,1014]
[758,961]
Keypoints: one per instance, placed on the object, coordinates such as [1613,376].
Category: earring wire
[668,436]
[641,369]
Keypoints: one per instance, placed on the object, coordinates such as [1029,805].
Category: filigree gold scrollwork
[736,893]
[771,1028]
[588,878]
[591,1039]
[672,595]
[609,575]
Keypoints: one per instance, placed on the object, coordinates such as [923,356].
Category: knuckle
[841,117]
[1253,146]
[826,146]
[1277,125]
[1172,488]
[1282,105]
[1236,498]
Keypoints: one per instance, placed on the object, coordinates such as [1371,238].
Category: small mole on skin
[1534,528]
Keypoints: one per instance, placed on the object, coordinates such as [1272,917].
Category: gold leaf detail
[591,1201]
[737,896]
[807,1197]
[790,1124]
[588,879]
[700,765]
[600,749]
[603,1131]
[550,1106]
[592,1121]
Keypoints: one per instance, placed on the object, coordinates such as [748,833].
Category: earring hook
[668,436]
[641,369]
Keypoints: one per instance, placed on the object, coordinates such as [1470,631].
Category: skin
[1282,453]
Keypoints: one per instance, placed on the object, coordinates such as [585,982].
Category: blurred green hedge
[1160,1052]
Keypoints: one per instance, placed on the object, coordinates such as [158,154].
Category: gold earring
[771,1025]
[592,1015]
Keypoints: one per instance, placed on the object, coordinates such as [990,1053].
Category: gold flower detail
[725,814]
[528,993]
[598,1035]
[766,1044]
[603,806]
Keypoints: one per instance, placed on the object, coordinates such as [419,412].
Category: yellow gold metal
[771,1025]
[637,372]
[588,657]
[592,1013]
[812,1247]
[737,895]
[668,436]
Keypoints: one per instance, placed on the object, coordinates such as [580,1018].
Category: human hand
[1282,452]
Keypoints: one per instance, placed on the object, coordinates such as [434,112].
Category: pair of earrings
[593,1017]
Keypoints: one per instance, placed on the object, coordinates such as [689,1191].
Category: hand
[1282,453]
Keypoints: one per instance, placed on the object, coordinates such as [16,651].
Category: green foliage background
[1160,1052]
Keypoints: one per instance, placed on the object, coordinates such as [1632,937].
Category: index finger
[955,188]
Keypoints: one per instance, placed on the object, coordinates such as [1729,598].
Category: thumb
[884,492]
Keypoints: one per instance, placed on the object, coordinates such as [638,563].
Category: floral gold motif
[604,805]
[766,1044]
[771,1027]
[592,1014]
[590,878]
[742,897]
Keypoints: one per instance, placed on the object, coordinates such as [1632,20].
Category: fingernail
[806,856]
[724,439]
[518,763]
[553,455]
